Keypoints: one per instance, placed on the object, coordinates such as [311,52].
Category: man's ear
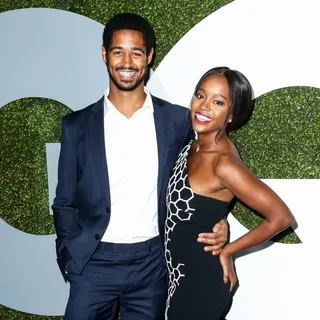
[104,54]
[150,56]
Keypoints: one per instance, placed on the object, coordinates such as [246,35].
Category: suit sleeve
[189,133]
[64,211]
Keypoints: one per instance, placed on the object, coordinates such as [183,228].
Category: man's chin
[130,87]
[127,85]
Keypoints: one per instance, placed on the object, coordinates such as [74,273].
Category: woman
[208,174]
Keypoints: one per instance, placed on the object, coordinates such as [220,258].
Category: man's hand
[215,239]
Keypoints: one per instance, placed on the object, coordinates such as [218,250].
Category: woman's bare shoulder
[228,161]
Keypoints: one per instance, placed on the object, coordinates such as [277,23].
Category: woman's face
[210,105]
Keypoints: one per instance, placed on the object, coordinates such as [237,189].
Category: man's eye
[117,53]
[136,54]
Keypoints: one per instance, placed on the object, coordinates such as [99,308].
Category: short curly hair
[129,21]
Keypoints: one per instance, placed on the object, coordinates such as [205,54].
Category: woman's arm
[238,179]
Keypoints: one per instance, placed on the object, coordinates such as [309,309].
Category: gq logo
[63,63]
[66,66]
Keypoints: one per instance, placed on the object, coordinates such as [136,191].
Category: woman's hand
[228,268]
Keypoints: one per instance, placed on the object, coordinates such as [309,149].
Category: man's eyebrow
[121,48]
[137,48]
[116,48]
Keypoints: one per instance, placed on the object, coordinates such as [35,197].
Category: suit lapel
[162,132]
[97,145]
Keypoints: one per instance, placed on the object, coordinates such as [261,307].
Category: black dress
[196,287]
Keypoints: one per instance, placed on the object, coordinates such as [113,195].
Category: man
[115,163]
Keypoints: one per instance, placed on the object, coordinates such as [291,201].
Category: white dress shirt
[132,158]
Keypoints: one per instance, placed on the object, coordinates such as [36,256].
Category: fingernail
[214,253]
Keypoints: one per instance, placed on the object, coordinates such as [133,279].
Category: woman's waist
[190,253]
[189,228]
[183,240]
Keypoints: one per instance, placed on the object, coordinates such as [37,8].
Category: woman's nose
[205,105]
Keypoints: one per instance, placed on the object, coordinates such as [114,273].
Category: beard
[134,85]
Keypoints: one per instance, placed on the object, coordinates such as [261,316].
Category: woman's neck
[210,142]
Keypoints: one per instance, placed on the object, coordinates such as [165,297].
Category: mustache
[126,69]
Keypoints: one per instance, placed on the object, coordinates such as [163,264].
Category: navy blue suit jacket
[82,204]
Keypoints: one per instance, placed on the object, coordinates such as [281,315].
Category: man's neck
[127,102]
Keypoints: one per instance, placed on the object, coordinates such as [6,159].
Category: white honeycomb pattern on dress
[178,208]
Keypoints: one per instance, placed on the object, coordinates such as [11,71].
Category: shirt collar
[147,105]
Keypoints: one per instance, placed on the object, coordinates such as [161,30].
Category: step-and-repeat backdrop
[50,65]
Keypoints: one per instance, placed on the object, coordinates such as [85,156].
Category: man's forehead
[127,37]
[135,33]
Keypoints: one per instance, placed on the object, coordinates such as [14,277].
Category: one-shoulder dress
[196,287]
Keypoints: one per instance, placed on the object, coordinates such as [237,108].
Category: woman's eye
[198,95]
[218,102]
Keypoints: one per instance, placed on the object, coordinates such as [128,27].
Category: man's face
[126,59]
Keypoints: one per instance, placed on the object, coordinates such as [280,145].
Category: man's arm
[63,208]
[189,133]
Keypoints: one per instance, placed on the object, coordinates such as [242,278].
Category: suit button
[108,209]
[97,236]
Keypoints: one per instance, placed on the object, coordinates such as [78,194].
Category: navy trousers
[132,277]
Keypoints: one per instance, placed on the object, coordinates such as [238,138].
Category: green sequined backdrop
[281,148]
